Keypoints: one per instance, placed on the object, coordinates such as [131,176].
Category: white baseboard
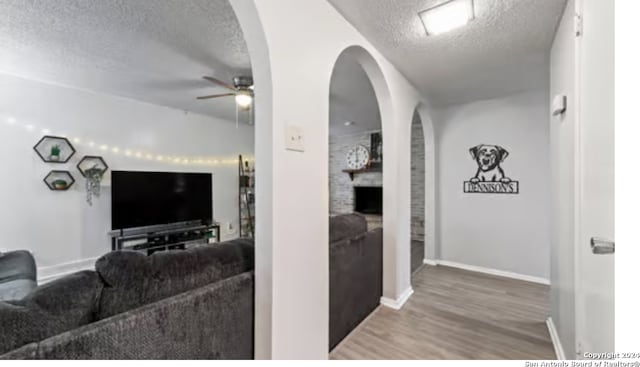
[479,269]
[430,262]
[49,273]
[397,304]
[555,339]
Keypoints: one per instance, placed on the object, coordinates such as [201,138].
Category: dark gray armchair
[17,275]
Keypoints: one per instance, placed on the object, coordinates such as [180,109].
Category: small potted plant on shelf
[55,153]
[59,184]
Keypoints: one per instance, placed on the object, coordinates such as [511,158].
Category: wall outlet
[294,138]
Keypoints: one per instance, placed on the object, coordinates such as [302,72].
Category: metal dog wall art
[490,177]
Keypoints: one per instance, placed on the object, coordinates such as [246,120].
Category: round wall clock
[358,157]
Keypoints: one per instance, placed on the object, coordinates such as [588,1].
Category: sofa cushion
[211,322]
[345,226]
[133,279]
[51,309]
[28,351]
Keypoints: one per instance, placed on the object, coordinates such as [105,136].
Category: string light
[198,160]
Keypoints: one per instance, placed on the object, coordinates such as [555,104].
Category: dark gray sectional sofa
[183,304]
[191,304]
[355,274]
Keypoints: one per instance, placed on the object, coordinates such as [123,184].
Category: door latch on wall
[601,246]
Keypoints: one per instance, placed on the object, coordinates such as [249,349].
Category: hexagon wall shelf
[59,180]
[90,162]
[54,149]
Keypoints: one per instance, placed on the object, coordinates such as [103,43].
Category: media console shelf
[165,237]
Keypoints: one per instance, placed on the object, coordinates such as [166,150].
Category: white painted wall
[562,132]
[60,227]
[502,232]
[304,40]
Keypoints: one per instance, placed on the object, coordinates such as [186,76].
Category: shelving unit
[246,198]
[165,237]
[54,149]
[59,180]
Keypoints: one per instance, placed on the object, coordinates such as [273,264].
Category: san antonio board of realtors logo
[490,177]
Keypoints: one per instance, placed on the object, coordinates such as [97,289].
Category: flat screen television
[141,199]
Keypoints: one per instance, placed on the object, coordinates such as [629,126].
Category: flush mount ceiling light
[447,16]
[349,123]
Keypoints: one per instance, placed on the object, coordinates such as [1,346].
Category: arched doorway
[389,176]
[355,197]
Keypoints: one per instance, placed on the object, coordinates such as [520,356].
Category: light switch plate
[294,138]
[559,105]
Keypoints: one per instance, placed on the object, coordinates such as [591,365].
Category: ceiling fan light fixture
[244,99]
[447,16]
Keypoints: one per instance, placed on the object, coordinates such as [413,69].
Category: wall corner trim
[496,272]
[397,304]
[49,273]
[555,339]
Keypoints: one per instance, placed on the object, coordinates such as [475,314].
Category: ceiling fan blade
[219,82]
[216,96]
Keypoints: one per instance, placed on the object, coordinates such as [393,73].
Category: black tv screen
[141,199]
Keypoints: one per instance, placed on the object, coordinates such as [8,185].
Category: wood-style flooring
[457,314]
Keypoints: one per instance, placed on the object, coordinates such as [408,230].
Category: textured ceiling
[150,50]
[503,50]
[352,99]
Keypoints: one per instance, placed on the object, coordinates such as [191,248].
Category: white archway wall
[254,35]
[304,40]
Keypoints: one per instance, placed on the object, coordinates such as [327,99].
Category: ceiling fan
[242,89]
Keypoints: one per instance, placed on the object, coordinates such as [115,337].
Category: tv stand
[165,237]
